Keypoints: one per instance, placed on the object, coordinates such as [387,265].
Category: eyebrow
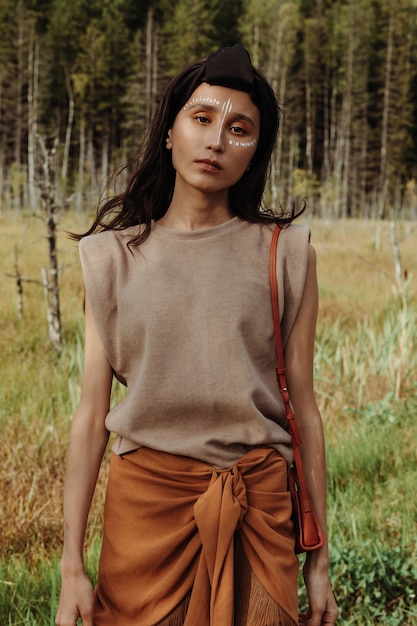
[211,107]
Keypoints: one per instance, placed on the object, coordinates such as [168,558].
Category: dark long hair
[149,191]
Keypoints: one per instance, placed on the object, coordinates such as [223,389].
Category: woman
[197,527]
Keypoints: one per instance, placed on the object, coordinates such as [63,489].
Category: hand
[322,608]
[76,601]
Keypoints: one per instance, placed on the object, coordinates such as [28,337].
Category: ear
[169,140]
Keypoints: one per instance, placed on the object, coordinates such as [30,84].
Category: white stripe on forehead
[226,108]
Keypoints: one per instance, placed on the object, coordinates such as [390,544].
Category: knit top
[185,320]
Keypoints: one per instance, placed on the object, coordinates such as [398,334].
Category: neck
[196,211]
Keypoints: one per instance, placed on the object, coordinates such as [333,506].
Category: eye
[202,119]
[239,130]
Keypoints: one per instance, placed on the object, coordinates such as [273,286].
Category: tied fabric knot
[218,513]
[188,514]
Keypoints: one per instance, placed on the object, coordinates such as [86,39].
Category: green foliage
[372,511]
[190,32]
[377,582]
[372,468]
[27,599]
[30,597]
[345,72]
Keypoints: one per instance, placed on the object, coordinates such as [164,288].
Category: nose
[216,146]
[216,141]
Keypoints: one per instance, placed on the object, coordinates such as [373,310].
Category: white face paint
[242,144]
[226,107]
[201,100]
[213,139]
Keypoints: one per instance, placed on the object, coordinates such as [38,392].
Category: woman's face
[214,138]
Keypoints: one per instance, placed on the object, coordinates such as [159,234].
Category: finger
[315,619]
[321,620]
[304,618]
[63,621]
[87,619]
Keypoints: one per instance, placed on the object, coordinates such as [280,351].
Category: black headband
[230,67]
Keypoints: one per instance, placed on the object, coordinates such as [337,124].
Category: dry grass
[38,391]
[357,280]
[365,371]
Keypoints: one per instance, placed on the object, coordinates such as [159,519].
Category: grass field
[366,365]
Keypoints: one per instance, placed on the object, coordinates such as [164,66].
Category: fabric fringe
[253,605]
[177,617]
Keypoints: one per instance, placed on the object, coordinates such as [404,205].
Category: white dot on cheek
[243,144]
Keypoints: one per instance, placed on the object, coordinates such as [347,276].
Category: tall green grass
[365,370]
[366,377]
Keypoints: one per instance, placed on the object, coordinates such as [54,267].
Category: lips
[210,165]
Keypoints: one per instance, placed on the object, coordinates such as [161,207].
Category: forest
[79,82]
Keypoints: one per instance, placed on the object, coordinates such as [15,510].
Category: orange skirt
[186,544]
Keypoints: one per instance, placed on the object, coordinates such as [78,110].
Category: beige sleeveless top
[185,320]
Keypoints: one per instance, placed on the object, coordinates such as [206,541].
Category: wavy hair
[149,191]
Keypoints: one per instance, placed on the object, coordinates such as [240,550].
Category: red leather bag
[308,534]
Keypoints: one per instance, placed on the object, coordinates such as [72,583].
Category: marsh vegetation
[366,364]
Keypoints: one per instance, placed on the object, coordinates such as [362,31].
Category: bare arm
[299,354]
[88,442]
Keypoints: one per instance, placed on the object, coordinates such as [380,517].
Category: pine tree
[189,33]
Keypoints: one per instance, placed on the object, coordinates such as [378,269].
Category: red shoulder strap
[280,370]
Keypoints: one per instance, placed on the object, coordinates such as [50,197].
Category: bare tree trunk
[68,131]
[93,192]
[399,275]
[282,94]
[274,66]
[309,128]
[383,178]
[255,46]
[383,181]
[81,167]
[363,151]
[338,163]
[325,172]
[347,120]
[3,201]
[50,210]
[2,155]
[154,86]
[398,264]
[149,59]
[292,160]
[19,110]
[105,153]
[32,98]
[19,84]
[311,41]
[19,285]
[151,65]
[279,61]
